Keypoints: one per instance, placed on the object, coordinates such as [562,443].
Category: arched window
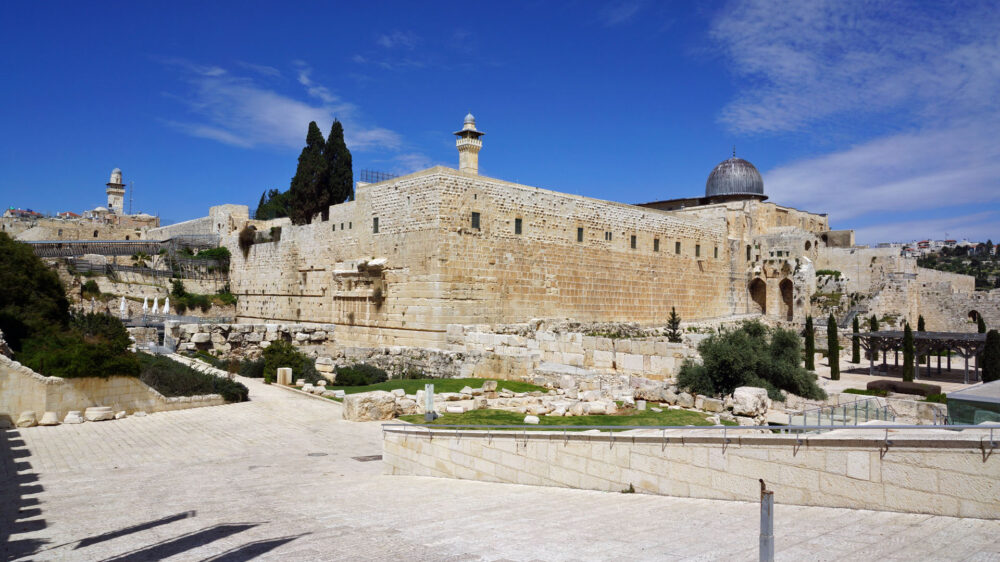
[758,296]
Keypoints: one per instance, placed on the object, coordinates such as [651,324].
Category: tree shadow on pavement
[19,513]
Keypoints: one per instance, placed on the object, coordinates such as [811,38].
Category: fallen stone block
[657,410]
[750,401]
[73,416]
[26,419]
[466,390]
[99,413]
[454,410]
[685,400]
[369,406]
[139,414]
[120,415]
[532,420]
[398,392]
[712,405]
[49,418]
[406,407]
[489,386]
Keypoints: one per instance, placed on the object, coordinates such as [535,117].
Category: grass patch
[411,386]
[627,417]
[937,398]
[867,392]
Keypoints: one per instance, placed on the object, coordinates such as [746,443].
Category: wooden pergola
[924,344]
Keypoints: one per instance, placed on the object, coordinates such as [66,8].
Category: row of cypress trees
[990,356]
[324,177]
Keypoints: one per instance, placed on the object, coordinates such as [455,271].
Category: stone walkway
[277,478]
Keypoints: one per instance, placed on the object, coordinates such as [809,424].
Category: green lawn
[629,417]
[411,386]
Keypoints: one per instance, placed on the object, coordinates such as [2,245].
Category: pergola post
[939,361]
[885,368]
[895,354]
[966,369]
[949,360]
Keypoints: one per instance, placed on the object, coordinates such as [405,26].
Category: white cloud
[800,63]
[976,227]
[620,12]
[405,39]
[261,69]
[238,111]
[932,169]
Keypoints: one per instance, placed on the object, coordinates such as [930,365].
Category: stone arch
[787,291]
[758,295]
[974,316]
[826,239]
[808,245]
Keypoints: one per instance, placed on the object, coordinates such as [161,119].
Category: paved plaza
[278,478]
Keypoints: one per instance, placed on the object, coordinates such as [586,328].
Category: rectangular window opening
[716,252]
[375,225]
[475,221]
[656,244]
[517,226]
[579,234]
[677,248]
[632,242]
[697,250]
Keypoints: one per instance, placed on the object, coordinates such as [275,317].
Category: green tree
[981,324]
[810,345]
[855,342]
[873,324]
[273,205]
[306,192]
[907,353]
[339,180]
[674,326]
[833,348]
[31,296]
[922,327]
[991,357]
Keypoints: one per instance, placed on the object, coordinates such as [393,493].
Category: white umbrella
[166,305]
[145,305]
[156,304]
[121,307]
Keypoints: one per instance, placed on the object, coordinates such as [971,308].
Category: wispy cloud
[801,63]
[975,226]
[932,169]
[404,39]
[261,69]
[620,12]
[239,111]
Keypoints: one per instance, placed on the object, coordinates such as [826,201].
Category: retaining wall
[938,472]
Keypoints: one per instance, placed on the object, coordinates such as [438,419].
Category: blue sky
[884,115]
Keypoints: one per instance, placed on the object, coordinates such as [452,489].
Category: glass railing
[852,413]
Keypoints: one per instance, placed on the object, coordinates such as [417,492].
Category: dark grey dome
[734,176]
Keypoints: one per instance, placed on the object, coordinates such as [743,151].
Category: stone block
[532,420]
[201,338]
[26,419]
[369,406]
[49,418]
[685,400]
[455,410]
[284,376]
[712,405]
[750,401]
[73,416]
[99,413]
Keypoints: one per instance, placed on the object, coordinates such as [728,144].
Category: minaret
[469,144]
[116,193]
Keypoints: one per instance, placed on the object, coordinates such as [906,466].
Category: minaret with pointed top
[469,144]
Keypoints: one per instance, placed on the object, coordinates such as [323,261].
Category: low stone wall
[940,473]
[22,390]
[244,339]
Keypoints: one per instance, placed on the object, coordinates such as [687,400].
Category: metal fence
[852,413]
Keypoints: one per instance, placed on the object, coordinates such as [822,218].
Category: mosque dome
[734,176]
[470,119]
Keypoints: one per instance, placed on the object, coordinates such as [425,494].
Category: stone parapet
[934,472]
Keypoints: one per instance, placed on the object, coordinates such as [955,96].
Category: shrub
[867,392]
[981,325]
[752,355]
[936,398]
[360,374]
[828,272]
[904,387]
[221,253]
[226,298]
[674,326]
[93,345]
[170,378]
[411,373]
[810,344]
[90,288]
[283,354]
[31,296]
[252,368]
[275,234]
[247,237]
[180,306]
[991,357]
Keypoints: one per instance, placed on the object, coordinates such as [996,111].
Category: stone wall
[845,468]
[427,267]
[22,389]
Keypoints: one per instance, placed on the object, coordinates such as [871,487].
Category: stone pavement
[275,478]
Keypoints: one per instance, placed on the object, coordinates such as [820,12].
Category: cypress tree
[833,348]
[907,353]
[921,327]
[674,326]
[856,342]
[981,324]
[339,181]
[991,357]
[873,323]
[810,345]
[306,199]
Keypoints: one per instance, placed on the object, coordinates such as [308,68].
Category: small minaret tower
[116,193]
[469,144]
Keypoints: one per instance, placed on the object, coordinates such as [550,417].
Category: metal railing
[710,434]
[852,413]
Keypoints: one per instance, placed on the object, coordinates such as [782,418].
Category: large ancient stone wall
[428,267]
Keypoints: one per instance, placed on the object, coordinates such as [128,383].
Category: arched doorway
[758,296]
[787,293]
[974,316]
